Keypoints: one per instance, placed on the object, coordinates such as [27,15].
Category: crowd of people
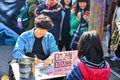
[55,25]
[66,19]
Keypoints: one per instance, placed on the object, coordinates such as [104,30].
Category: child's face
[82,5]
[67,2]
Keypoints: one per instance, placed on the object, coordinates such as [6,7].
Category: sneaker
[115,58]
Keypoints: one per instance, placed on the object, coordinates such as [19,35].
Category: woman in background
[110,22]
[79,21]
[65,39]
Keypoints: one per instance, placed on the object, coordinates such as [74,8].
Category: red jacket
[94,73]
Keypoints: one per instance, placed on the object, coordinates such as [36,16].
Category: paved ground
[5,57]
[115,66]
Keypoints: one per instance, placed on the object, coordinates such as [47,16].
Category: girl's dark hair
[118,3]
[43,22]
[76,6]
[90,46]
[63,3]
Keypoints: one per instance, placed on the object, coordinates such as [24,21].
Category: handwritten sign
[63,61]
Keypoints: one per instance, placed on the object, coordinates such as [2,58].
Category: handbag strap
[63,15]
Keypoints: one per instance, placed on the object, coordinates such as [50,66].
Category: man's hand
[48,61]
[37,60]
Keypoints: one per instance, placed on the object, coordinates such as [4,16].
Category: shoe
[115,58]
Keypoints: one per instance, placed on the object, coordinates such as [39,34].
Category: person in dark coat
[52,9]
[65,38]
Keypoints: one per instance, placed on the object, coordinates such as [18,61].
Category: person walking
[110,23]
[115,39]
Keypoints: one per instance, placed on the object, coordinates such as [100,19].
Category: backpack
[24,16]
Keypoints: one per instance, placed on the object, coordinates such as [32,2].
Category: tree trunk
[97,13]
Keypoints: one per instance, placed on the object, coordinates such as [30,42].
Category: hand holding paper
[48,61]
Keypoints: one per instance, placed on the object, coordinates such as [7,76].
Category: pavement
[114,65]
[6,57]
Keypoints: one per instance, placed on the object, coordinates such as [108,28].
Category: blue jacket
[55,16]
[77,72]
[25,44]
